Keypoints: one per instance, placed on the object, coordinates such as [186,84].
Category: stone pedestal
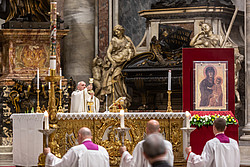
[25,50]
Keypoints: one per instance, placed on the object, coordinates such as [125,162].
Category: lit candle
[106,102]
[61,78]
[169,79]
[122,118]
[187,119]
[37,78]
[49,75]
[46,119]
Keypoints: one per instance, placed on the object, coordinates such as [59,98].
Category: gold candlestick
[38,110]
[60,102]
[169,109]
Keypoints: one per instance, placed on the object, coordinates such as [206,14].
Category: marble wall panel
[79,43]
[129,18]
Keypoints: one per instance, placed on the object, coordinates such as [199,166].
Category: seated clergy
[79,98]
[85,154]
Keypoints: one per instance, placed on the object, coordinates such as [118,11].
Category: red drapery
[200,136]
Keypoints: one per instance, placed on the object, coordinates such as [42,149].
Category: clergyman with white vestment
[85,154]
[80,98]
[220,151]
[138,159]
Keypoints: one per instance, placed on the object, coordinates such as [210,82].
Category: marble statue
[238,58]
[206,38]
[121,49]
[97,74]
[29,10]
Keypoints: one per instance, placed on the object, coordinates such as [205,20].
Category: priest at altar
[81,98]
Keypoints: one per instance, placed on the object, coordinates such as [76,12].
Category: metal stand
[122,133]
[188,131]
[60,102]
[38,110]
[46,132]
[169,109]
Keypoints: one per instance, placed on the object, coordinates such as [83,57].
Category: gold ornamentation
[104,134]
[38,110]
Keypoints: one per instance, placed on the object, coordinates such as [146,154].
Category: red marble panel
[103,27]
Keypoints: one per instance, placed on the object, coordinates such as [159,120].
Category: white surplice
[138,159]
[79,101]
[216,154]
[80,156]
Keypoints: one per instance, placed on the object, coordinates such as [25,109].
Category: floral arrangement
[199,121]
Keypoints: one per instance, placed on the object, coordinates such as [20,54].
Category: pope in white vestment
[138,159]
[220,151]
[79,98]
[87,154]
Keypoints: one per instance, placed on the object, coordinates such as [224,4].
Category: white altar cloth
[130,115]
[27,141]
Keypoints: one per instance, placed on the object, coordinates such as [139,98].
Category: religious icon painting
[210,85]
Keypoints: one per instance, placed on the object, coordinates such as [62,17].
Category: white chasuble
[80,156]
[216,154]
[138,159]
[79,101]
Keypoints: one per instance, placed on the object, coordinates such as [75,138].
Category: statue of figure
[97,74]
[121,49]
[238,58]
[206,38]
[29,10]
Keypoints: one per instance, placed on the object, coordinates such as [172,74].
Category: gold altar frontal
[103,127]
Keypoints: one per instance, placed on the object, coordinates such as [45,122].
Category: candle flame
[46,114]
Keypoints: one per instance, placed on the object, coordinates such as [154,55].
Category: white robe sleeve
[77,99]
[169,155]
[206,158]
[96,104]
[70,159]
[137,160]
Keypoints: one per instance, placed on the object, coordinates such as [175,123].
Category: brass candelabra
[60,102]
[169,109]
[38,110]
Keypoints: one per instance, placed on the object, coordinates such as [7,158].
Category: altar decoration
[204,130]
[27,141]
[104,125]
[199,121]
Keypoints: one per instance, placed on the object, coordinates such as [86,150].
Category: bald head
[153,126]
[85,132]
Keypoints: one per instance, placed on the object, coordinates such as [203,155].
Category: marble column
[246,129]
[78,53]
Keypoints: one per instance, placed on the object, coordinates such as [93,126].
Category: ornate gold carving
[104,134]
